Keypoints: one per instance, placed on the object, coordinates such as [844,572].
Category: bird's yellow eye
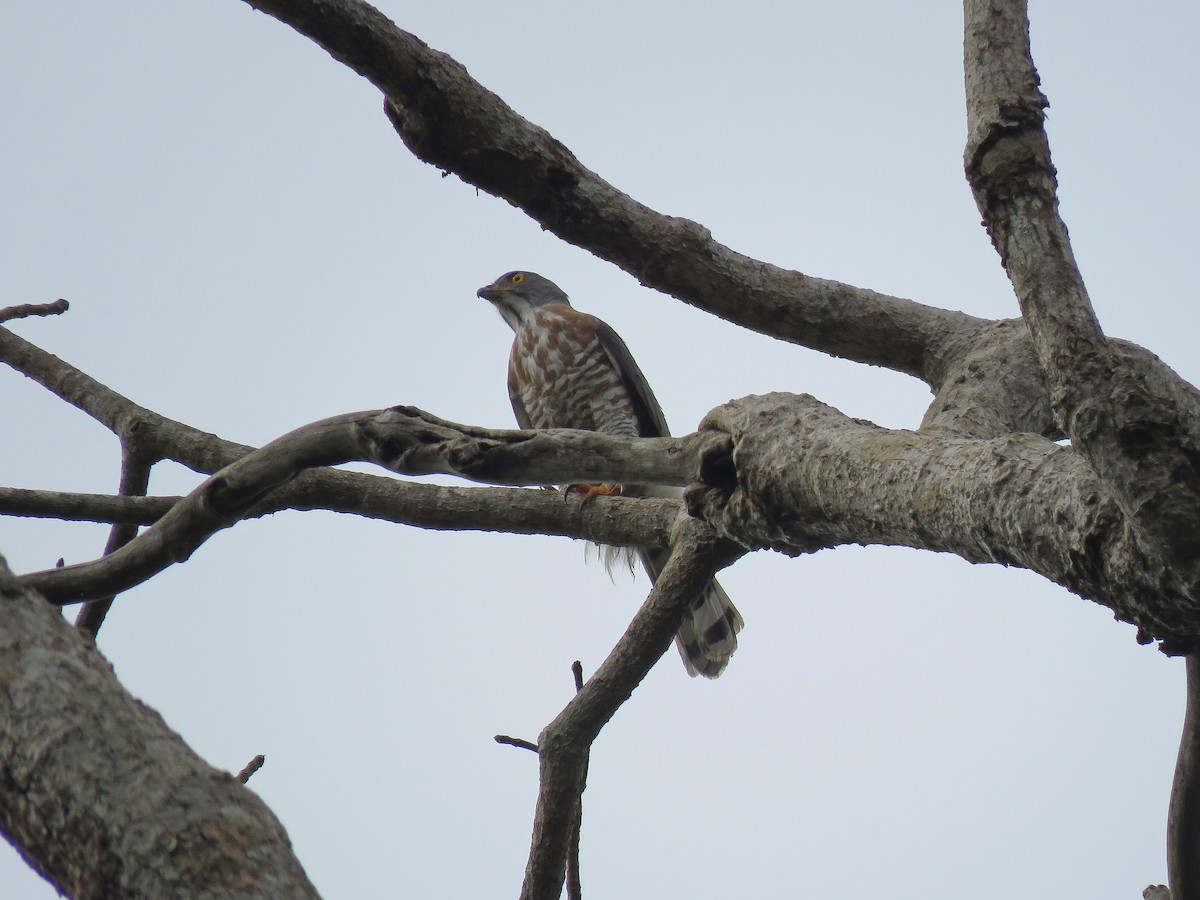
[518,278]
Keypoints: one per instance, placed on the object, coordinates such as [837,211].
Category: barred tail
[708,635]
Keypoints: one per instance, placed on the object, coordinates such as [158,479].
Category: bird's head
[517,294]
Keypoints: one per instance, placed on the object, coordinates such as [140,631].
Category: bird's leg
[592,491]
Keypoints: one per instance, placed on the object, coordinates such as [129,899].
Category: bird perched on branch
[571,370]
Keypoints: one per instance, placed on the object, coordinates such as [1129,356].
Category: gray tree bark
[100,796]
[1047,445]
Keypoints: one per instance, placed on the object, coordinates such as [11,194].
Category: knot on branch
[1009,160]
[408,440]
[744,492]
[476,457]
[1140,430]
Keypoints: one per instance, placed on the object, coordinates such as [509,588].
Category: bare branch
[161,438]
[564,745]
[74,801]
[430,506]
[1183,815]
[83,507]
[574,887]
[413,442]
[1128,416]
[1008,166]
[135,479]
[448,119]
[402,439]
[574,891]
[1015,500]
[991,384]
[250,768]
[1118,576]
[516,742]
[25,310]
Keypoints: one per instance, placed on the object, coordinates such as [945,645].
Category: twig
[574,888]
[1183,814]
[577,672]
[251,767]
[25,310]
[516,742]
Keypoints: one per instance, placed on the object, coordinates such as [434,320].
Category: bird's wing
[514,397]
[650,418]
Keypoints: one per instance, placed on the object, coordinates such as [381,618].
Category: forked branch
[402,439]
[1138,428]
[565,744]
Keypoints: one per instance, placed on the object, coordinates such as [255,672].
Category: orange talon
[591,491]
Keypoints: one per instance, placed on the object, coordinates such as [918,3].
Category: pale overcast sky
[248,247]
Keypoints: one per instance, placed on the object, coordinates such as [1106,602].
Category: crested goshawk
[570,370]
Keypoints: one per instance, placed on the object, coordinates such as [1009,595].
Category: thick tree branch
[991,385]
[564,745]
[1114,517]
[809,477]
[1128,416]
[449,120]
[74,792]
[1008,166]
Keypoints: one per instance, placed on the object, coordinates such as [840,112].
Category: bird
[568,369]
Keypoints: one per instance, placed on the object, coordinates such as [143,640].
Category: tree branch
[1009,169]
[429,506]
[135,480]
[564,745]
[1098,560]
[250,768]
[1139,430]
[1183,815]
[83,507]
[991,384]
[25,310]
[809,477]
[574,890]
[404,440]
[574,885]
[78,803]
[161,438]
[449,120]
